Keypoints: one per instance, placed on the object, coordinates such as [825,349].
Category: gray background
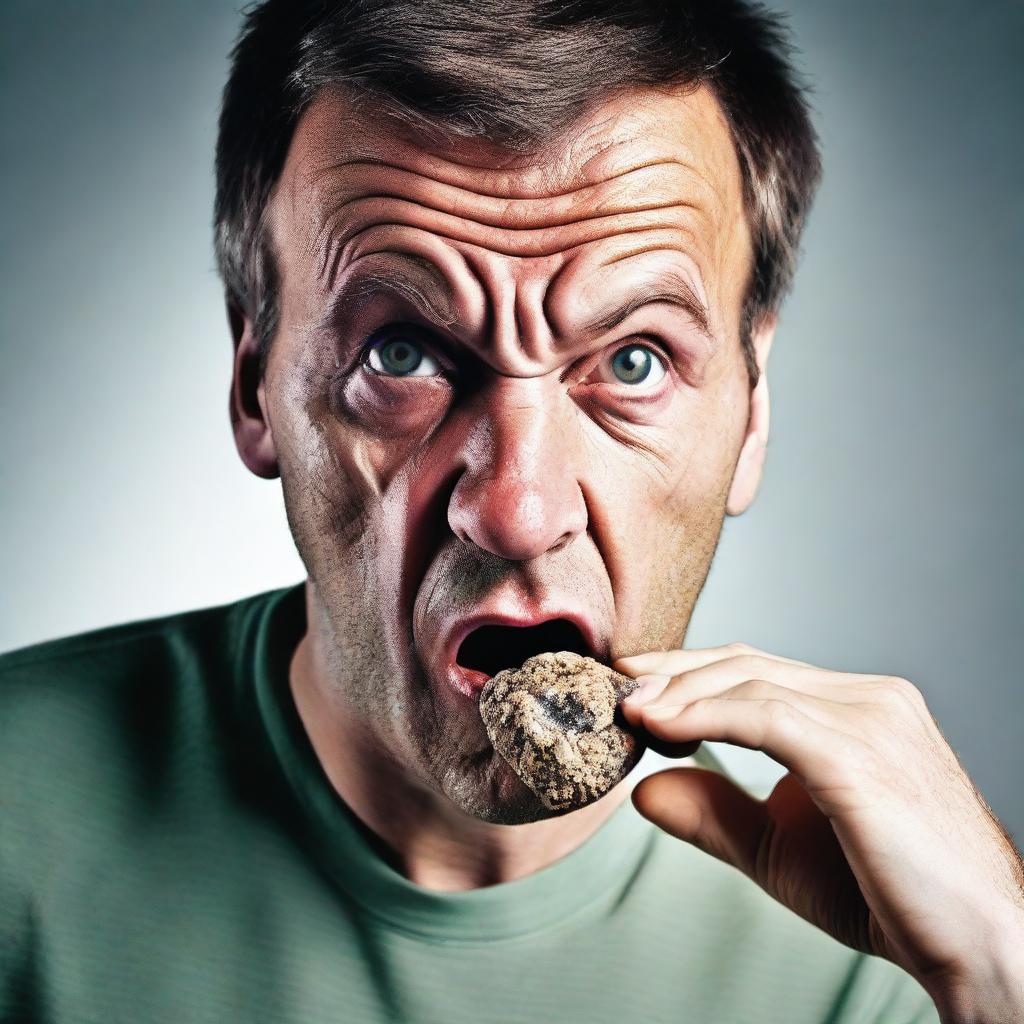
[887,537]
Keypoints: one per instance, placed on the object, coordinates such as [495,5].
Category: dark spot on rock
[565,711]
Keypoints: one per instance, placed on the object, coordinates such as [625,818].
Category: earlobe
[750,465]
[247,404]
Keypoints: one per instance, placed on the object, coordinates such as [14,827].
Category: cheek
[347,490]
[660,530]
[660,512]
[379,427]
[340,446]
[329,499]
[328,492]
[391,408]
[662,567]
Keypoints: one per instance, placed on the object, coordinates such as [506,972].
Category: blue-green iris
[632,364]
[399,357]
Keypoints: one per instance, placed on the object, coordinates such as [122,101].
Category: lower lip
[468,681]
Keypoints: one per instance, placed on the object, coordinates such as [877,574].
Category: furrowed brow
[665,286]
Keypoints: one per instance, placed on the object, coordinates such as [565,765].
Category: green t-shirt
[171,851]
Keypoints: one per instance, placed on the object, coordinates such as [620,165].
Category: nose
[519,495]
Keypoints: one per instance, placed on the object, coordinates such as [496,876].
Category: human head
[519,75]
[514,477]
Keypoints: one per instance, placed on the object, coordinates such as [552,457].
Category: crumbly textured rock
[553,721]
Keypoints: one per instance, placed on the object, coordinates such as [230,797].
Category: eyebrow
[428,290]
[667,285]
[421,284]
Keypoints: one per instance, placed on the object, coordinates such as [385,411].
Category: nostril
[562,541]
[516,528]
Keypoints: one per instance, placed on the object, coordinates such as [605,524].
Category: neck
[420,832]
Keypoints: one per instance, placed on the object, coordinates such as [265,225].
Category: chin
[494,794]
[510,812]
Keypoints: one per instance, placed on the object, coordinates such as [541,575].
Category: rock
[553,720]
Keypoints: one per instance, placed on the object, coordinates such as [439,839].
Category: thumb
[708,810]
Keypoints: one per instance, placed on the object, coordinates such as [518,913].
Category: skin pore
[503,382]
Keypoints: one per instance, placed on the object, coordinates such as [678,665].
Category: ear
[247,403]
[750,465]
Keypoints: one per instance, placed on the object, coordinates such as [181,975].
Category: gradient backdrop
[887,537]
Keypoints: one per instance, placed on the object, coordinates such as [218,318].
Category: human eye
[638,366]
[398,352]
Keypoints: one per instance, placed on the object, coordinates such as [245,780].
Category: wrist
[989,989]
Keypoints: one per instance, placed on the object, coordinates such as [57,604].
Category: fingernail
[650,686]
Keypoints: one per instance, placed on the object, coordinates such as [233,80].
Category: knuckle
[911,692]
[781,715]
[757,689]
[738,647]
[780,724]
[901,692]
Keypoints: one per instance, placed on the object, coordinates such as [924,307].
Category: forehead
[648,181]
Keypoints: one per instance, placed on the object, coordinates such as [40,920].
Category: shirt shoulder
[105,735]
[110,659]
[102,725]
[80,654]
[115,678]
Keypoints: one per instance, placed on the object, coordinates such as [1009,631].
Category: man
[503,283]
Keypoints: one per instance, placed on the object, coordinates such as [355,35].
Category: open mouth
[491,648]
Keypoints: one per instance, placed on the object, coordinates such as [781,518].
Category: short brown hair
[517,72]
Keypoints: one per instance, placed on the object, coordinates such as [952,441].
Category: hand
[876,835]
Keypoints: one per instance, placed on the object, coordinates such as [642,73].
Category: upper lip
[453,632]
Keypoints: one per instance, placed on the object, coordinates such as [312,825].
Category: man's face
[504,390]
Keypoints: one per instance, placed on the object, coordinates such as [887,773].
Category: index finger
[679,660]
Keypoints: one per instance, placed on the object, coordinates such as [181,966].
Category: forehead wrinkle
[513,219]
[616,196]
[676,241]
[480,174]
[618,131]
[669,283]
[583,155]
[527,242]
